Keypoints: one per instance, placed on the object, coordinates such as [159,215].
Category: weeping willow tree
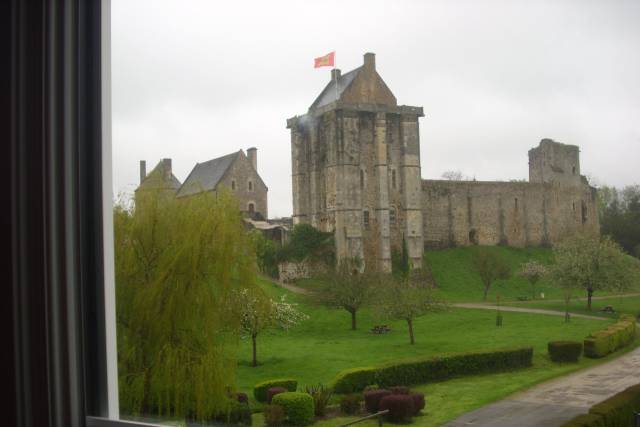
[178,262]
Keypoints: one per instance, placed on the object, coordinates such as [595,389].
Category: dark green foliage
[419,371]
[298,407]
[350,404]
[616,411]
[614,337]
[372,399]
[321,396]
[241,397]
[355,379]
[308,243]
[400,261]
[620,216]
[564,351]
[273,391]
[400,407]
[372,387]
[237,414]
[418,402]
[266,254]
[260,390]
[273,415]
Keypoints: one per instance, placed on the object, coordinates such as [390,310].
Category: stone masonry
[356,171]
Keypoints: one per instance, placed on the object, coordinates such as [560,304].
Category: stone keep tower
[555,163]
[356,168]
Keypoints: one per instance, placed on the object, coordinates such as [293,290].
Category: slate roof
[205,176]
[155,179]
[328,95]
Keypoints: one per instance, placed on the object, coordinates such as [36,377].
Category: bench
[607,309]
[380,329]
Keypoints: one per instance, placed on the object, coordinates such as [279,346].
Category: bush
[564,351]
[418,402]
[400,407]
[371,387]
[260,389]
[321,396]
[616,411]
[298,407]
[242,397]
[273,415]
[237,413]
[420,371]
[350,404]
[372,399]
[273,391]
[608,340]
[355,379]
[399,389]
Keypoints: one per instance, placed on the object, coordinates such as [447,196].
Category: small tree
[588,262]
[533,271]
[260,313]
[490,267]
[453,176]
[406,298]
[345,287]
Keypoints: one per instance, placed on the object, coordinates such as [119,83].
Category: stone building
[161,178]
[356,171]
[236,171]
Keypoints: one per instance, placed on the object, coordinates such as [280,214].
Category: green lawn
[626,305]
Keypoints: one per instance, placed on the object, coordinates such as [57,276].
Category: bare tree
[490,267]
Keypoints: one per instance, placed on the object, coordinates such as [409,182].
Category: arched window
[361,179]
[393,179]
[233,184]
[251,208]
[250,185]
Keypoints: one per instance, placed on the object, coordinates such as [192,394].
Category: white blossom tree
[533,271]
[260,313]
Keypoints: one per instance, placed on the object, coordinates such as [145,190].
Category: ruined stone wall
[510,213]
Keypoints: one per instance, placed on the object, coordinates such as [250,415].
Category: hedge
[420,371]
[564,351]
[355,379]
[260,389]
[608,340]
[298,407]
[400,407]
[616,411]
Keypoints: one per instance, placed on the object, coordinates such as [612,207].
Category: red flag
[325,61]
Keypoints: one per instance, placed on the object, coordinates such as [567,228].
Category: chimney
[166,165]
[335,74]
[143,170]
[370,61]
[252,154]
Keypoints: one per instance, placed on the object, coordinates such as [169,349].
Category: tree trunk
[589,295]
[410,324]
[353,320]
[486,292]
[255,353]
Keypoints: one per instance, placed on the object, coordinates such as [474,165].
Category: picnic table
[607,309]
[380,329]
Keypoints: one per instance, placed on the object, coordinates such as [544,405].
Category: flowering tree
[260,313]
[533,272]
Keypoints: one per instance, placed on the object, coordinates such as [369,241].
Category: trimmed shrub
[260,389]
[350,404]
[273,391]
[355,379]
[564,351]
[371,387]
[610,339]
[420,371]
[418,402]
[321,396]
[273,415]
[298,407]
[616,411]
[399,389]
[400,407]
[372,399]
[237,413]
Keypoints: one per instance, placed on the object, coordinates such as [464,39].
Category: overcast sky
[194,80]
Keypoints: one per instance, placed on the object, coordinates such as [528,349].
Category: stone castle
[356,172]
